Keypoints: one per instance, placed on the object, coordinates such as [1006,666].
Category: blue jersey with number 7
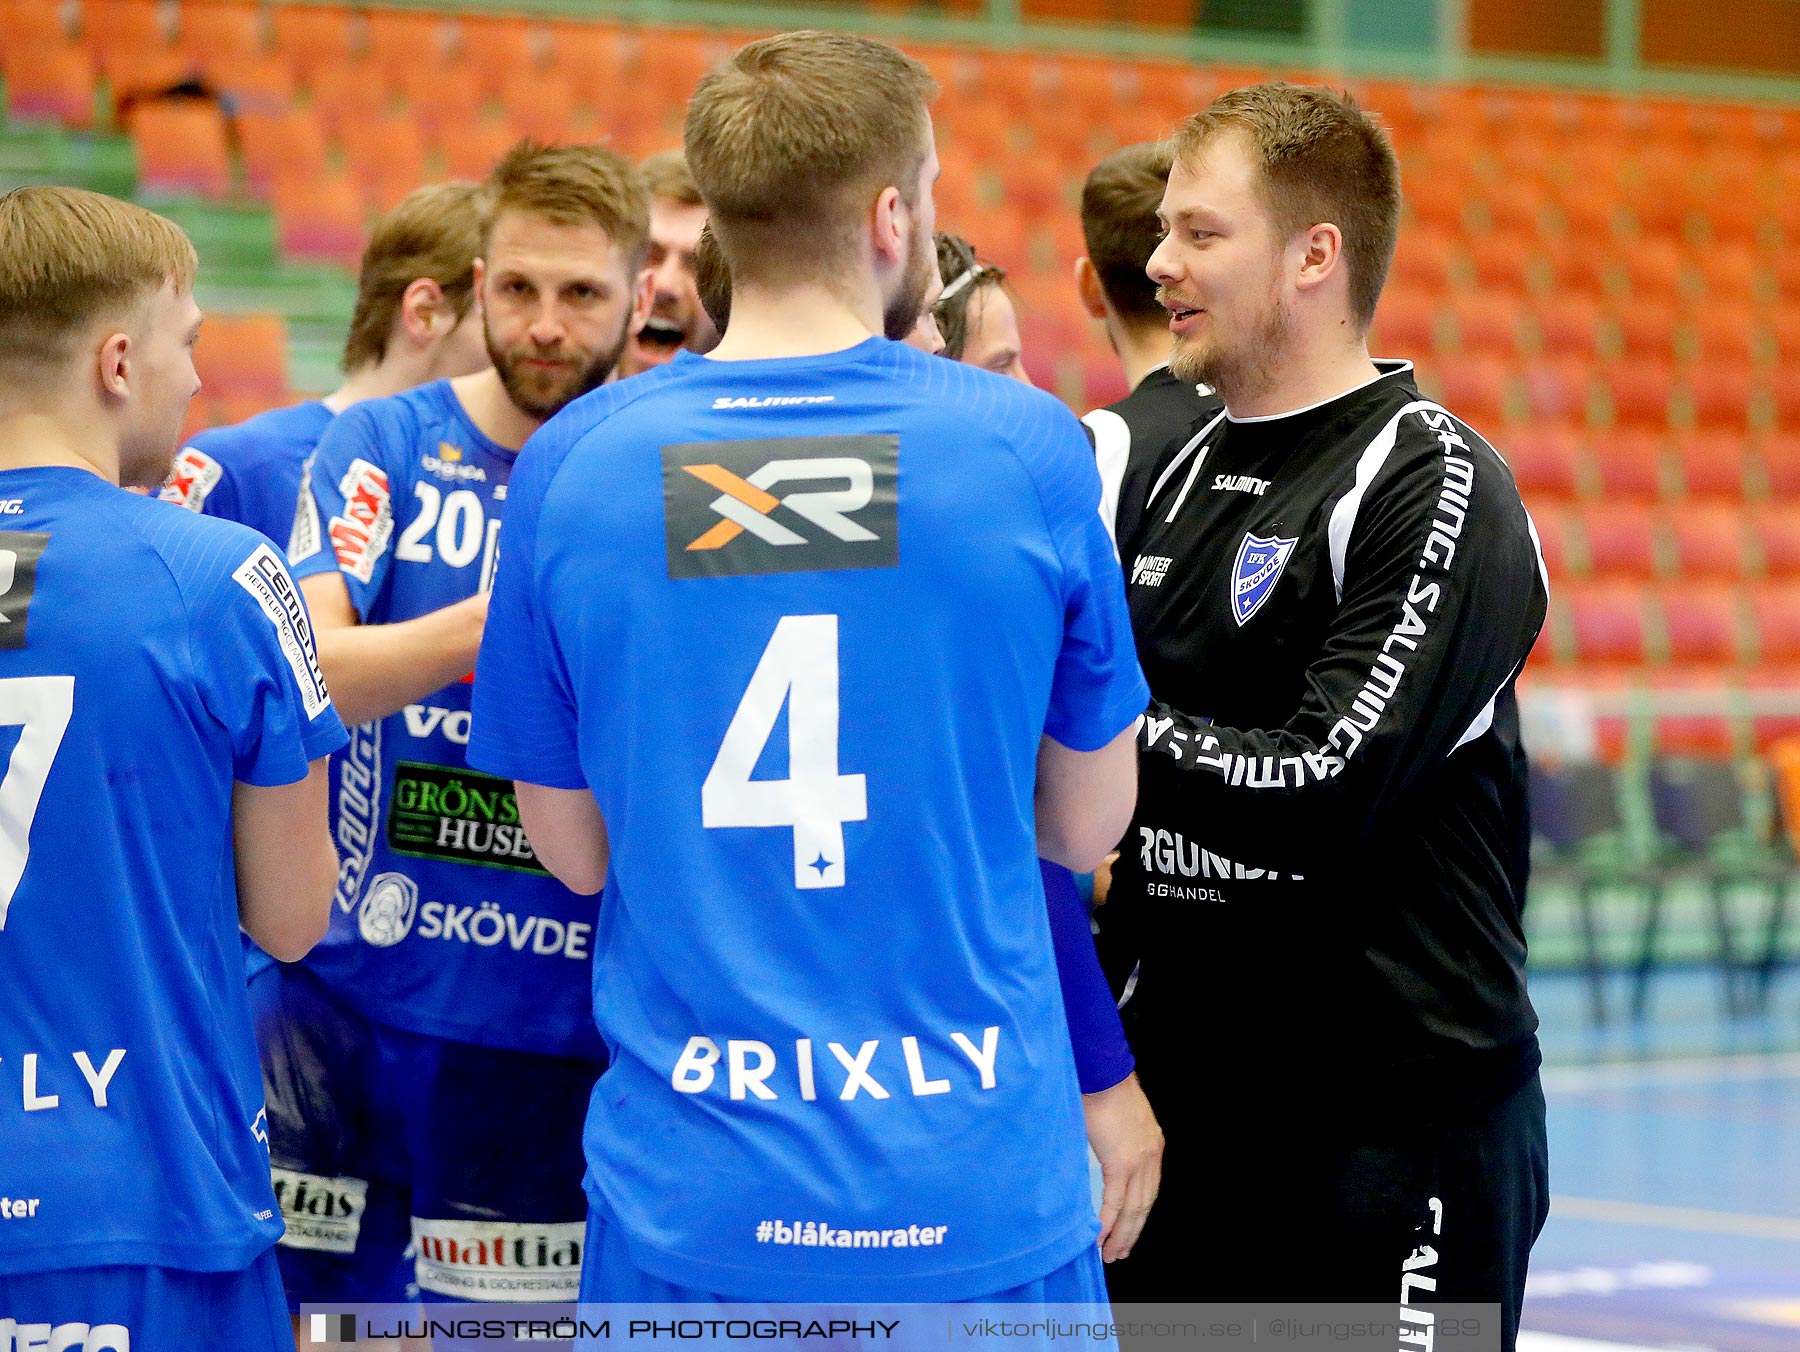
[148,659]
[799,625]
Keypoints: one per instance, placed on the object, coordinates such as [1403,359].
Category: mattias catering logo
[1259,565]
[781,505]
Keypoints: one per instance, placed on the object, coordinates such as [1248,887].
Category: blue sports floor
[1675,1174]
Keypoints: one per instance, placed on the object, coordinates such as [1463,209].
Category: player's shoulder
[197,553]
[390,424]
[1412,434]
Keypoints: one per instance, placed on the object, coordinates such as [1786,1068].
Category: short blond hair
[790,135]
[434,233]
[573,185]
[1321,159]
[70,259]
[667,176]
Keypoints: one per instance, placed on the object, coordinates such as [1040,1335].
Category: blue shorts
[118,1309]
[609,1277]
[381,1139]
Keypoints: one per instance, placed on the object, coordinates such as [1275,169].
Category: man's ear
[112,365]
[890,227]
[642,301]
[1321,255]
[1087,286]
[423,314]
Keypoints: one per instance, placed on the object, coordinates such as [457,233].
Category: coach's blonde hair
[434,233]
[790,138]
[669,179]
[573,185]
[1322,160]
[70,259]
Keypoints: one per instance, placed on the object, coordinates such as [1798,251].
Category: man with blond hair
[841,1070]
[1333,588]
[415,321]
[678,322]
[431,1061]
[165,729]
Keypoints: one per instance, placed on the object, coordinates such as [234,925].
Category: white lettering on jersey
[303,535]
[193,475]
[12,506]
[751,1064]
[19,1208]
[1169,854]
[360,536]
[462,528]
[265,578]
[1239,483]
[1150,570]
[488,926]
[772,401]
[424,719]
[73,1337]
[449,463]
[36,1098]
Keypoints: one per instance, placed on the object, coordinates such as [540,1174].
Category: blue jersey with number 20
[799,625]
[148,658]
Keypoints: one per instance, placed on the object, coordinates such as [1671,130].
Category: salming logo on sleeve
[266,579]
[359,537]
[781,505]
[193,475]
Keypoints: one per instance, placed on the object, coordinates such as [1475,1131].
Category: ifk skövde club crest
[1258,569]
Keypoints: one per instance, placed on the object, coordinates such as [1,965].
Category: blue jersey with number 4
[800,625]
[148,658]
[445,923]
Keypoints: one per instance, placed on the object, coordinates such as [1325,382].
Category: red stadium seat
[274,143]
[181,149]
[1506,262]
[1487,325]
[1605,622]
[1558,390]
[1702,623]
[1476,389]
[1644,328]
[1774,533]
[1720,397]
[1711,464]
[1628,463]
[540,103]
[1638,393]
[1620,538]
[1569,325]
[1424,260]
[1573,262]
[320,218]
[1714,734]
[1405,323]
[1706,541]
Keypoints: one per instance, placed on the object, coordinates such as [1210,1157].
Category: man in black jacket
[1333,587]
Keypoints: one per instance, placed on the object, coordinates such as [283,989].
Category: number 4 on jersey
[800,668]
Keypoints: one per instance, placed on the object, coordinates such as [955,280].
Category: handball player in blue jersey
[428,1067]
[163,728]
[416,320]
[807,650]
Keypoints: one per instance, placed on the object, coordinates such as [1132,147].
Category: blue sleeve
[524,725]
[1098,690]
[258,671]
[1102,1056]
[352,479]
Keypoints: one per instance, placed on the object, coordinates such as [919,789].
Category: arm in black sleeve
[1442,596]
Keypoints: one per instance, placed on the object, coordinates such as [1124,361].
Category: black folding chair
[1579,838]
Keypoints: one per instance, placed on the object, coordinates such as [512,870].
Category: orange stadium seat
[1711,464]
[1572,264]
[1424,260]
[1721,397]
[137,75]
[540,103]
[1405,323]
[219,33]
[1706,541]
[443,97]
[496,46]
[1727,272]
[1546,463]
[385,156]
[262,85]
[475,149]
[1504,261]
[1476,389]
[273,143]
[320,217]
[1568,326]
[1619,538]
[1554,529]
[1775,619]
[401,39]
[1638,392]
[1605,622]
[1557,390]
[181,149]
[312,38]
[55,85]
[1784,328]
[1713,735]
[1774,534]
[110,28]
[1723,334]
[243,356]
[28,27]
[1487,325]
[353,94]
[1702,623]
[1643,327]
[1778,457]
[1784,389]
[1628,463]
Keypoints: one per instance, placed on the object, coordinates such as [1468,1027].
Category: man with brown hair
[163,784]
[1333,589]
[1133,436]
[415,321]
[842,1067]
[431,1062]
[678,321]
